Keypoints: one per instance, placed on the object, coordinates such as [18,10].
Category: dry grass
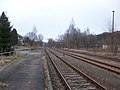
[7,60]
[3,85]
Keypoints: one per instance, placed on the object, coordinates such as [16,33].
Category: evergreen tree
[5,35]
[14,37]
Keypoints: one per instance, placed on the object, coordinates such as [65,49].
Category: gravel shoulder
[24,74]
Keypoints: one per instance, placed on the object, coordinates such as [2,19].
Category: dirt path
[26,74]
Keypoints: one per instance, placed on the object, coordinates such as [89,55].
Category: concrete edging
[48,82]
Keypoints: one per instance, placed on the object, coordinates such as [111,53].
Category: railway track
[71,77]
[96,55]
[106,66]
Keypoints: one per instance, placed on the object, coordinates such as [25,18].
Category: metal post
[115,48]
[112,36]
[113,23]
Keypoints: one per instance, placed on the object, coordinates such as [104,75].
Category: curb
[48,82]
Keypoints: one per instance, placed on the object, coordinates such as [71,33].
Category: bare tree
[32,36]
[51,42]
[40,39]
[27,41]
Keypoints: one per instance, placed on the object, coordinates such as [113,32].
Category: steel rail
[118,67]
[104,57]
[60,74]
[91,61]
[82,73]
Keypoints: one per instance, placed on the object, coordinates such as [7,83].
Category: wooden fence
[8,53]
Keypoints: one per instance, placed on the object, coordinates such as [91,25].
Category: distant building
[20,40]
[104,46]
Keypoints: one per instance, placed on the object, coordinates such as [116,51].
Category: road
[25,74]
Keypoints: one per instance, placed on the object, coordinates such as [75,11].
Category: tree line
[9,38]
[74,38]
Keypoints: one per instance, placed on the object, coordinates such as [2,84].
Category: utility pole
[113,22]
[112,36]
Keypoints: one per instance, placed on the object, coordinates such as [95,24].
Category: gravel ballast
[108,79]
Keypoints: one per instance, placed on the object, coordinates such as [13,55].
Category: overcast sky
[52,17]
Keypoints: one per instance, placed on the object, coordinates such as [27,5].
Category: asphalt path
[25,74]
